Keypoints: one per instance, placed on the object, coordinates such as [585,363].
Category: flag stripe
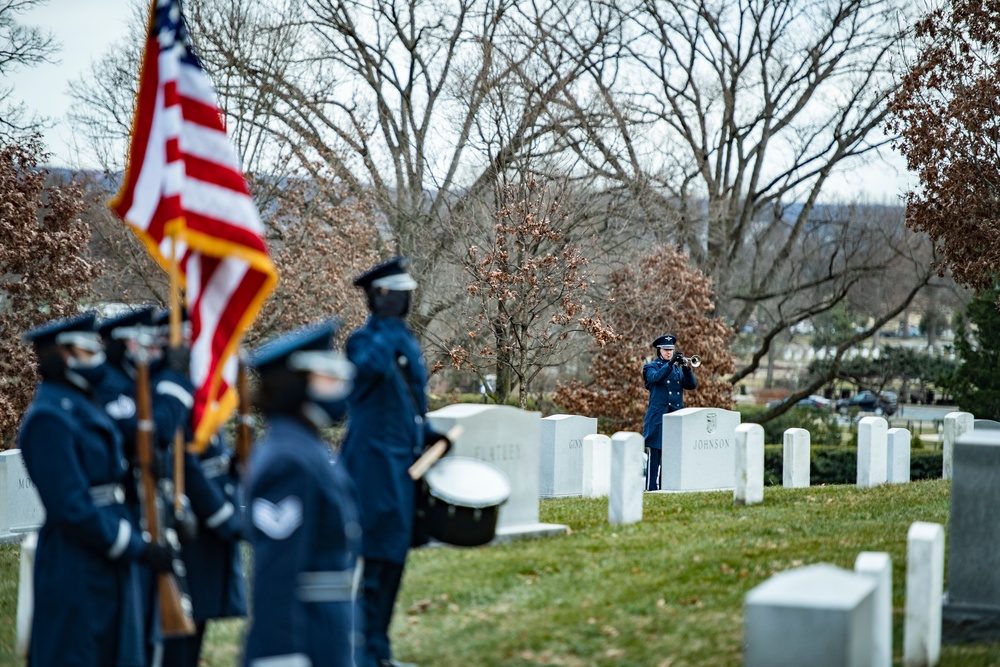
[223,231]
[208,144]
[211,201]
[207,171]
[197,112]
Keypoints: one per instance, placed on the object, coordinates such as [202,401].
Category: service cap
[79,330]
[668,341]
[391,275]
[139,316]
[307,349]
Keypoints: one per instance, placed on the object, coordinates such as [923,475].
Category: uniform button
[402,361]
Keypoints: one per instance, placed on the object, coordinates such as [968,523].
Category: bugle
[693,361]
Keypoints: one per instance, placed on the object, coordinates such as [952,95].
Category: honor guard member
[212,525]
[302,507]
[125,336]
[666,378]
[86,605]
[385,435]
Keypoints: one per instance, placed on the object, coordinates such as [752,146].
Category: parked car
[811,401]
[868,401]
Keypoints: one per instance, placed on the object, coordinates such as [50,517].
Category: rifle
[175,607]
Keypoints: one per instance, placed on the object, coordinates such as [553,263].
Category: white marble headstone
[872,452]
[561,471]
[749,464]
[795,459]
[510,439]
[21,509]
[897,455]
[596,466]
[878,566]
[699,449]
[627,482]
[955,424]
[817,615]
[924,586]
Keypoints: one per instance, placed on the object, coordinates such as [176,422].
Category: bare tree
[731,123]
[423,104]
[320,238]
[20,46]
[714,125]
[527,295]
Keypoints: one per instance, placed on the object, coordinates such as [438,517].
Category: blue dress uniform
[385,435]
[665,382]
[87,609]
[304,527]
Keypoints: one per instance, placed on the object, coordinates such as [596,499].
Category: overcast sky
[87,28]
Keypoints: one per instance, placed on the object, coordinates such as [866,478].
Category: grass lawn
[666,592]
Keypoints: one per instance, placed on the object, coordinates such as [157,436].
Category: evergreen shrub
[839,465]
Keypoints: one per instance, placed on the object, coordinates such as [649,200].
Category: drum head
[467,482]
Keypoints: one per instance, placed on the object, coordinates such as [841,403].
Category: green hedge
[839,465]
[824,430]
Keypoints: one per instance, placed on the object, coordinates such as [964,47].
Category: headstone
[561,465]
[597,466]
[985,424]
[955,424]
[510,439]
[872,451]
[924,580]
[972,604]
[795,459]
[698,449]
[878,566]
[817,615]
[25,595]
[627,482]
[749,464]
[897,455]
[21,509]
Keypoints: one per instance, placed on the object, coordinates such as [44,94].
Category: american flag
[185,196]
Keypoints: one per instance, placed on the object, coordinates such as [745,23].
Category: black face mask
[393,303]
[88,374]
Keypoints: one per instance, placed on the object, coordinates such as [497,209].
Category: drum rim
[475,504]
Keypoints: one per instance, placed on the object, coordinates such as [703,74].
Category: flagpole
[175,342]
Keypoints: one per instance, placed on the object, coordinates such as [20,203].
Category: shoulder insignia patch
[277,521]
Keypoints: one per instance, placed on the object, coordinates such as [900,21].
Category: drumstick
[433,453]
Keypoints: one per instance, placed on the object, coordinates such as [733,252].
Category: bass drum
[465,495]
